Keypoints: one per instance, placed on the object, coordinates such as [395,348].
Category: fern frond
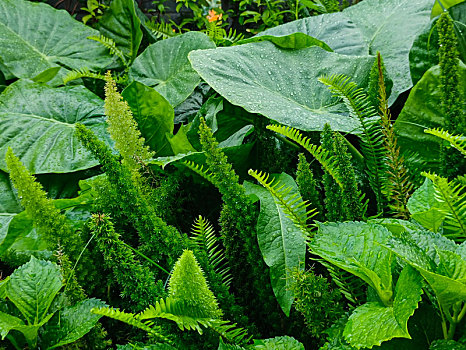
[456,141]
[199,169]
[132,320]
[292,205]
[81,73]
[215,31]
[203,236]
[111,45]
[323,157]
[359,107]
[161,30]
[453,195]
[231,37]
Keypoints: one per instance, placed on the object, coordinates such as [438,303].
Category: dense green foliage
[246,175]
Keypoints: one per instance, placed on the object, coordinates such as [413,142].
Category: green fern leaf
[323,157]
[111,45]
[161,30]
[203,236]
[372,138]
[81,73]
[199,169]
[453,195]
[291,205]
[456,141]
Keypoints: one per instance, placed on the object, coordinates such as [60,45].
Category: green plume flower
[188,284]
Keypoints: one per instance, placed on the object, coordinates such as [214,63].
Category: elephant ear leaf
[32,288]
[36,37]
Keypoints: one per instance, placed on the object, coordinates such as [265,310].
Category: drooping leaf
[423,111]
[356,248]
[282,244]
[71,323]
[425,208]
[165,66]
[32,288]
[35,37]
[282,84]
[153,114]
[368,27]
[38,123]
[291,41]
[7,323]
[121,24]
[373,323]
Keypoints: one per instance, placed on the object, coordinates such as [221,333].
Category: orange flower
[214,16]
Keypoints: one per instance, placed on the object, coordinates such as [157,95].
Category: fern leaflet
[199,169]
[456,141]
[323,157]
[111,45]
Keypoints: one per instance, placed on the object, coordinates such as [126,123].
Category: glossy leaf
[278,343]
[38,123]
[121,24]
[356,248]
[437,9]
[282,84]
[422,111]
[291,41]
[165,66]
[32,288]
[282,244]
[425,208]
[373,323]
[35,37]
[368,27]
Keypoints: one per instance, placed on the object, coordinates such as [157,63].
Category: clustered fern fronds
[398,188]
[123,128]
[308,186]
[137,282]
[159,241]
[371,138]
[220,36]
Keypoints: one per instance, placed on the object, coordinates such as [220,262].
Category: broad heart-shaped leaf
[165,66]
[388,26]
[282,84]
[38,123]
[356,247]
[71,323]
[421,111]
[373,323]
[154,115]
[425,208]
[33,287]
[282,244]
[35,37]
[121,24]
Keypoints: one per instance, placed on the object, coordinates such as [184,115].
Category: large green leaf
[291,41]
[388,26]
[425,208]
[373,323]
[422,111]
[282,244]
[165,66]
[282,84]
[356,247]
[71,323]
[153,114]
[278,343]
[35,37]
[8,323]
[121,24]
[32,288]
[437,9]
[38,123]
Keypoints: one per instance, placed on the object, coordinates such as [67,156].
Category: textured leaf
[373,323]
[121,24]
[282,244]
[7,323]
[165,66]
[72,323]
[35,37]
[153,114]
[38,123]
[422,111]
[356,248]
[33,287]
[9,205]
[425,208]
[278,343]
[282,84]
[368,27]
[291,41]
